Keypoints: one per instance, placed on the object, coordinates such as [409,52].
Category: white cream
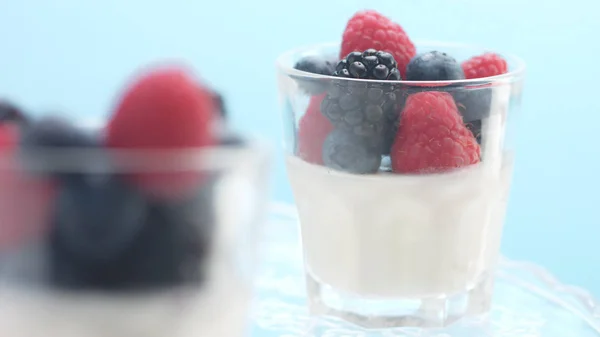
[400,236]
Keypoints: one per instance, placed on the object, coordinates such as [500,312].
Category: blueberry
[97,217]
[231,139]
[56,132]
[220,104]
[434,66]
[473,104]
[167,248]
[315,65]
[475,128]
[345,151]
[174,246]
[11,113]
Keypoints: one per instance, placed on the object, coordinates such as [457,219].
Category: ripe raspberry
[313,128]
[431,137]
[486,65]
[370,29]
[164,110]
[25,201]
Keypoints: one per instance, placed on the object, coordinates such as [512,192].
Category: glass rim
[284,65]
[253,153]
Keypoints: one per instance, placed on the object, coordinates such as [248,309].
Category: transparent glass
[115,261]
[384,248]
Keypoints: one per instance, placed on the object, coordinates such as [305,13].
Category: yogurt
[401,236]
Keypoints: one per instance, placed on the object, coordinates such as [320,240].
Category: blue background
[72,56]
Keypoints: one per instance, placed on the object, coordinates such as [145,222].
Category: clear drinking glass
[387,249]
[182,267]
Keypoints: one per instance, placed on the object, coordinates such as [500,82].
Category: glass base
[431,312]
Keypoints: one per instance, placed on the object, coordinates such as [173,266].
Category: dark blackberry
[366,109]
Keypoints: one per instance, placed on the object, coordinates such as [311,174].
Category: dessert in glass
[141,225]
[399,155]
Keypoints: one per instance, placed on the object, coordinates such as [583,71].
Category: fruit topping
[432,137]
[371,30]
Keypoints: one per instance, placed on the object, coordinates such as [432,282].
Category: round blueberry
[345,151]
[56,132]
[434,66]
[315,65]
[97,217]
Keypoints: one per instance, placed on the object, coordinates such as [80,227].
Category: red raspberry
[25,201]
[485,65]
[432,137]
[312,131]
[164,110]
[370,29]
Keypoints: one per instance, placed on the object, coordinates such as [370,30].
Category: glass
[389,249]
[71,267]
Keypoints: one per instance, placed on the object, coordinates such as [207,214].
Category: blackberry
[365,109]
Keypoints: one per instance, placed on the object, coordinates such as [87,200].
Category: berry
[55,132]
[345,151]
[315,65]
[431,137]
[475,128]
[231,139]
[365,109]
[25,201]
[434,66]
[370,64]
[219,102]
[96,218]
[486,65]
[313,128]
[473,103]
[52,133]
[370,29]
[168,249]
[11,113]
[164,110]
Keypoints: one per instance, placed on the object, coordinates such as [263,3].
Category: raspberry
[25,201]
[485,65]
[164,110]
[431,137]
[370,29]
[313,128]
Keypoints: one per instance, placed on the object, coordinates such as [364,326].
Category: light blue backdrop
[73,56]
